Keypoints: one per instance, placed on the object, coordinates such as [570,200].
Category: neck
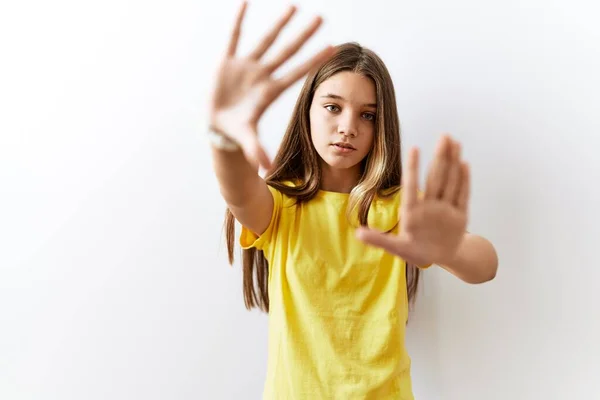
[339,180]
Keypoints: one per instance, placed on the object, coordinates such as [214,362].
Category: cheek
[319,129]
[369,138]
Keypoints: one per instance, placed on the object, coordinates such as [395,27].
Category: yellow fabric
[338,308]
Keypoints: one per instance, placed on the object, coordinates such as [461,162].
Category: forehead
[351,86]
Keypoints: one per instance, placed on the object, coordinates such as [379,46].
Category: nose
[347,125]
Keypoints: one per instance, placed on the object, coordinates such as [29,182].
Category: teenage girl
[335,235]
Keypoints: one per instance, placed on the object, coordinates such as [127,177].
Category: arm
[475,261]
[244,191]
[244,89]
[433,228]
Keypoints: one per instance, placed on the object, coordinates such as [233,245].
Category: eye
[331,105]
[369,116]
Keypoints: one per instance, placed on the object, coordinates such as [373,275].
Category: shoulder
[384,213]
[281,196]
[388,199]
[391,197]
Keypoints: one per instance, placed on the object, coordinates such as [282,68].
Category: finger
[235,34]
[270,38]
[462,200]
[253,150]
[453,183]
[437,175]
[263,158]
[411,179]
[292,48]
[390,243]
[298,72]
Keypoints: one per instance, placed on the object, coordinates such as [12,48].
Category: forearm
[476,260]
[236,176]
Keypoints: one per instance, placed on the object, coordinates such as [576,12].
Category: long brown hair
[297,160]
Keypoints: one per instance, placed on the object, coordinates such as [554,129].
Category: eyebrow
[338,97]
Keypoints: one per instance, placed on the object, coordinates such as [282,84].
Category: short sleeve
[249,239]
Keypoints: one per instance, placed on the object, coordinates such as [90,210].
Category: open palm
[244,86]
[432,226]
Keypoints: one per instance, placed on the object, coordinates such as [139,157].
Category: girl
[333,244]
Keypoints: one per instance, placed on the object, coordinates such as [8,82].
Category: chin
[335,159]
[337,163]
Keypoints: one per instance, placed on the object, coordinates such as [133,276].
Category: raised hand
[432,226]
[244,86]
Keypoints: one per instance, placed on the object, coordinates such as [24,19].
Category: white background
[113,275]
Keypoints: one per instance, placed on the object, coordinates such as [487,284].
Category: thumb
[389,242]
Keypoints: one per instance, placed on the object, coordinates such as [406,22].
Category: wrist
[220,140]
[453,258]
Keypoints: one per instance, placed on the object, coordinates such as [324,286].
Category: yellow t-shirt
[338,308]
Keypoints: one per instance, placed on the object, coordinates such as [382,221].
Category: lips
[344,145]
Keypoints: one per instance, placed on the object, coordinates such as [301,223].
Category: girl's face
[342,119]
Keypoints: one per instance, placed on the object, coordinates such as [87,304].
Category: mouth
[344,145]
